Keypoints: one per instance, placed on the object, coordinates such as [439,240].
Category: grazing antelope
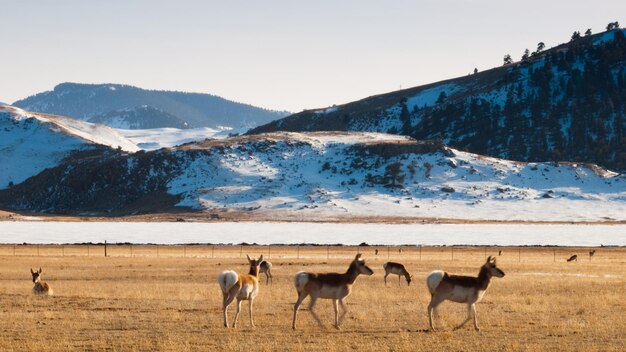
[573,258]
[266,268]
[333,286]
[40,288]
[398,269]
[460,289]
[243,287]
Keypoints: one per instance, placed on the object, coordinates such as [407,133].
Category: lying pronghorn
[266,268]
[573,258]
[461,289]
[333,286]
[40,288]
[398,269]
[242,287]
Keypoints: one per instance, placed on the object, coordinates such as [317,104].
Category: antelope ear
[357,256]
[261,258]
[248,258]
[31,271]
[40,270]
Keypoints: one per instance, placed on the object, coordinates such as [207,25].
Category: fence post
[452,253]
[14,250]
[105,248]
[87,250]
[485,253]
[184,251]
[240,250]
[38,250]
[212,252]
[554,254]
[131,250]
[157,250]
[62,250]
[420,252]
[269,254]
[327,252]
[519,254]
[387,252]
[298,251]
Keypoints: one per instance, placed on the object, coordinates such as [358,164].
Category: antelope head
[255,264]
[492,269]
[36,275]
[361,267]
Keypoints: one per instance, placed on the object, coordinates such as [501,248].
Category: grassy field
[172,302]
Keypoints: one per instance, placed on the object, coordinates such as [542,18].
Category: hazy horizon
[280,55]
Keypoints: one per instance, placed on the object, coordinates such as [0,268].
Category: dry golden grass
[145,303]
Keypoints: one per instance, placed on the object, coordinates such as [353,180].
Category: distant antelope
[398,269]
[333,286]
[243,287]
[266,268]
[40,288]
[591,253]
[573,258]
[460,289]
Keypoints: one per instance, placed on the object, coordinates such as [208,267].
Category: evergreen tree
[507,60]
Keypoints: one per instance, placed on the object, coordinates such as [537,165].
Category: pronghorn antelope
[40,288]
[398,269]
[266,268]
[333,286]
[573,258]
[461,289]
[242,287]
[591,253]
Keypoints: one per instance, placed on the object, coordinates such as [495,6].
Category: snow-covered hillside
[31,142]
[324,176]
[562,103]
[321,175]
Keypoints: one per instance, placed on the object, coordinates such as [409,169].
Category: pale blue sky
[290,54]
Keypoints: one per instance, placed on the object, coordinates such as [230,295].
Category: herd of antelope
[337,286]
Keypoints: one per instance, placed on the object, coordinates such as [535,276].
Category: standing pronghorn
[398,269]
[242,287]
[40,288]
[333,286]
[266,268]
[461,289]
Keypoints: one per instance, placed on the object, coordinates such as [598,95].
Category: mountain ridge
[85,101]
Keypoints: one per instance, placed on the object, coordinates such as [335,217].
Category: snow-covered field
[157,138]
[318,233]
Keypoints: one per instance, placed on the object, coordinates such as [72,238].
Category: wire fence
[426,253]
